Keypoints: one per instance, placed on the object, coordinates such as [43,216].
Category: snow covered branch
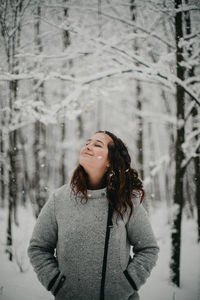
[66,56]
[155,116]
[191,36]
[156,167]
[191,155]
[157,75]
[132,24]
[186,8]
[35,75]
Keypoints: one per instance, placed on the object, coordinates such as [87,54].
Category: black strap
[103,276]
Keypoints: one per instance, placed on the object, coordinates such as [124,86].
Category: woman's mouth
[87,154]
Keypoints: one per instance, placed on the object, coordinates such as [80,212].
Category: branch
[175,80]
[68,28]
[170,79]
[139,28]
[155,116]
[185,8]
[157,166]
[189,110]
[192,80]
[67,56]
[187,90]
[18,23]
[11,127]
[124,22]
[191,36]
[154,74]
[37,76]
[194,154]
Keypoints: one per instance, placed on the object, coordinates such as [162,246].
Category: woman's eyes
[96,145]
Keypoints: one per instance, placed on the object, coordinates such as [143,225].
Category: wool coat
[67,248]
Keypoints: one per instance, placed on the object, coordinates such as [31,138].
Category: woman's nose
[88,146]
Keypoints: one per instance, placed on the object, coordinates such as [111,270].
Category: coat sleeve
[41,250]
[145,248]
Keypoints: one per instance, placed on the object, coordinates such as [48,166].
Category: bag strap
[108,227]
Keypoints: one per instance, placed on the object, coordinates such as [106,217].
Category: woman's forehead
[102,137]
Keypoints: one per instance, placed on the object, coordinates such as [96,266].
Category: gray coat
[77,232]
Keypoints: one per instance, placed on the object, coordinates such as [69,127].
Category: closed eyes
[96,145]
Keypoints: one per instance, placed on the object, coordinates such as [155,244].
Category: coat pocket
[130,280]
[59,285]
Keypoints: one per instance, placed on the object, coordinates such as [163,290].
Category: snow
[158,286]
[16,285]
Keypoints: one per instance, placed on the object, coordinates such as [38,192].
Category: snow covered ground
[16,285]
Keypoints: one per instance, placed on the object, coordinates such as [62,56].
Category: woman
[91,224]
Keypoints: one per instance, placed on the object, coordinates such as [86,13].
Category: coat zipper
[108,227]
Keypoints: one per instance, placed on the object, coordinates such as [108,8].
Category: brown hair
[121,181]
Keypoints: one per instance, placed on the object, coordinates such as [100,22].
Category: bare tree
[179,154]
[140,159]
[2,162]
[11,13]
[39,180]
[194,112]
[66,65]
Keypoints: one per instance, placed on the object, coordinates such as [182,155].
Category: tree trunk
[9,241]
[179,156]
[191,73]
[98,113]
[2,168]
[169,181]
[139,102]
[63,170]
[23,178]
[197,192]
[10,19]
[12,150]
[26,184]
[66,43]
[40,176]
[12,154]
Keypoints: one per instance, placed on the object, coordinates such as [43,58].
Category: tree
[11,13]
[194,112]
[139,100]
[66,43]
[179,151]
[40,175]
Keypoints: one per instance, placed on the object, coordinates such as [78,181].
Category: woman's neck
[95,183]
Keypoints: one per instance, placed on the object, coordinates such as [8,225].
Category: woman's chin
[84,165]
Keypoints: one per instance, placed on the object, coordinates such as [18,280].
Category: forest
[71,68]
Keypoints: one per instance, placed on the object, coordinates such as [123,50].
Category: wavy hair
[121,180]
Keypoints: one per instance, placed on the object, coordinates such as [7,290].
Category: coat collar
[93,194]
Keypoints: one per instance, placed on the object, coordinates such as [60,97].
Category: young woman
[80,247]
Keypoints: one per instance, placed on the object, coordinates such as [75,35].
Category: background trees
[70,68]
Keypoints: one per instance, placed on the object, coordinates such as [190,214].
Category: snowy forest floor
[16,285]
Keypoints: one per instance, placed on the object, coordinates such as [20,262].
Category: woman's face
[95,153]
